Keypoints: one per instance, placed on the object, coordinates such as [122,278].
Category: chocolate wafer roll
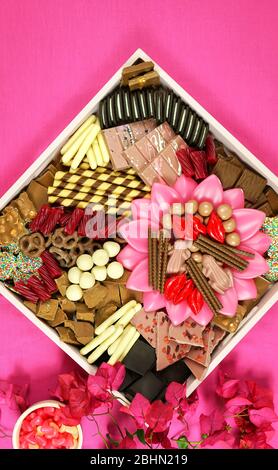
[150,256]
[67,202]
[220,256]
[206,289]
[223,251]
[160,256]
[164,265]
[227,248]
[154,260]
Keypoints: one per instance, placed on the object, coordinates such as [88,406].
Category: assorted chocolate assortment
[146,240]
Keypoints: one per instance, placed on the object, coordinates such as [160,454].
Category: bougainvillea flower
[149,212]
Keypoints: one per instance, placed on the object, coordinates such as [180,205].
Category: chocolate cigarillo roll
[67,202]
[129,173]
[89,190]
[78,196]
[126,192]
[82,177]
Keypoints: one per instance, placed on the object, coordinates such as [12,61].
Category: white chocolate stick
[97,340]
[122,346]
[69,154]
[77,133]
[97,153]
[129,346]
[113,318]
[92,158]
[103,148]
[102,348]
[125,319]
[114,346]
[86,144]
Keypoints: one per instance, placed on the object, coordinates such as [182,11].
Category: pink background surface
[56,54]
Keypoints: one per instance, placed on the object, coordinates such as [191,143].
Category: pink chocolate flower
[148,212]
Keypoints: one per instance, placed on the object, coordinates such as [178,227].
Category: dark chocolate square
[130,377]
[252,185]
[141,358]
[149,385]
[177,372]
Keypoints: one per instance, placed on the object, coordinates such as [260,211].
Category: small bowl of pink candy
[41,427]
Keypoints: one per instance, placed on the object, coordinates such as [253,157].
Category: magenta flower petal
[138,279]
[153,301]
[245,288]
[204,316]
[178,313]
[164,195]
[234,197]
[229,300]
[260,242]
[210,189]
[248,222]
[185,187]
[136,234]
[257,266]
[129,257]
[141,209]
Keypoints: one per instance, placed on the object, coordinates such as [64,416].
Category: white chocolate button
[87,280]
[112,248]
[85,262]
[100,273]
[115,270]
[100,257]
[74,275]
[74,293]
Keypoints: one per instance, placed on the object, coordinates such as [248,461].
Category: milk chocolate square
[252,184]
[197,370]
[272,198]
[150,176]
[227,172]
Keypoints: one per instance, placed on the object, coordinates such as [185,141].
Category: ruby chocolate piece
[146,323]
[188,332]
[202,355]
[168,352]
[141,358]
[197,370]
[149,386]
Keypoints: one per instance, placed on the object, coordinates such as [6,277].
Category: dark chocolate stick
[232,249]
[197,273]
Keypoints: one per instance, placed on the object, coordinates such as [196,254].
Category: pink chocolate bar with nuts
[146,324]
